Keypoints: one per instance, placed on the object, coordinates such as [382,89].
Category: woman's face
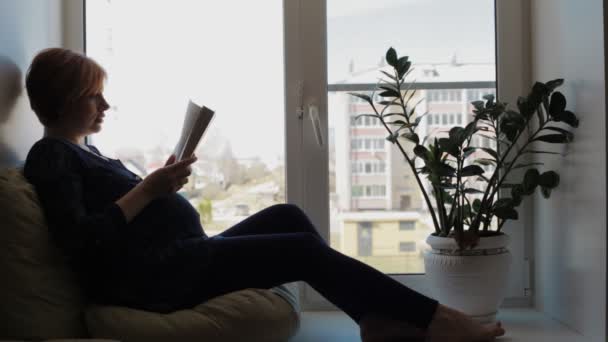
[84,116]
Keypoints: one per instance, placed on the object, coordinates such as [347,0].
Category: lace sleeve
[56,172]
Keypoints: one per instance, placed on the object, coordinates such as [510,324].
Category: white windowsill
[522,325]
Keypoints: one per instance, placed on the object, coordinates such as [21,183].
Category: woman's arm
[56,173]
[161,182]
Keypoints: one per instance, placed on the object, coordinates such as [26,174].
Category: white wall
[26,27]
[570,228]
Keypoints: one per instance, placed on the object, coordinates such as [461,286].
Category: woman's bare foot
[454,326]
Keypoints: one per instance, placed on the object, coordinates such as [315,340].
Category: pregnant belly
[169,218]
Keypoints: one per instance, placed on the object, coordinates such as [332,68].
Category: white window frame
[307,162]
[310,31]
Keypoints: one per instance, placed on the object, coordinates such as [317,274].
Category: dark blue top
[142,263]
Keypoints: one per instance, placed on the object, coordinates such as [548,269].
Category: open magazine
[195,125]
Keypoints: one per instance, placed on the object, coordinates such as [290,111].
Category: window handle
[313,113]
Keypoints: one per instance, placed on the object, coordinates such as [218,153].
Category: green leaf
[391,57]
[471,170]
[392,77]
[393,137]
[390,93]
[467,151]
[554,138]
[448,146]
[517,190]
[539,91]
[362,96]
[370,115]
[477,204]
[443,170]
[558,104]
[516,200]
[479,105]
[485,161]
[457,135]
[567,117]
[506,213]
[531,179]
[419,117]
[524,106]
[403,65]
[488,97]
[554,83]
[421,152]
[413,137]
[567,133]
[519,166]
[549,179]
[546,192]
[472,191]
[392,114]
[539,152]
[389,86]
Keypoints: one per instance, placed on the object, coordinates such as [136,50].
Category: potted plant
[468,263]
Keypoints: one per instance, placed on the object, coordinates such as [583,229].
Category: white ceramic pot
[473,281]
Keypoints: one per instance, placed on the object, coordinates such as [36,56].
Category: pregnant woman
[137,243]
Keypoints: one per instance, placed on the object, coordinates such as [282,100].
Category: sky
[228,55]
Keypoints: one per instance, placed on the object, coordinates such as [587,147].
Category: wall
[27,26]
[570,228]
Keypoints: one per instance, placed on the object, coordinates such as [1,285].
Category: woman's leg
[276,219]
[265,261]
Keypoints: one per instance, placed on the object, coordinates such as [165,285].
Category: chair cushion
[247,315]
[39,295]
[41,300]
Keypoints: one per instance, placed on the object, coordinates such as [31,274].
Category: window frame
[511,30]
[307,162]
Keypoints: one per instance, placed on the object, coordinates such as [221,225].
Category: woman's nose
[103,104]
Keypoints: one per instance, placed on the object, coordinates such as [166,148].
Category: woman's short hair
[58,77]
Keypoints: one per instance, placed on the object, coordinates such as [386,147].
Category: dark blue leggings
[280,244]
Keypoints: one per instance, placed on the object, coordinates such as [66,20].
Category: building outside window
[407,246]
[407,225]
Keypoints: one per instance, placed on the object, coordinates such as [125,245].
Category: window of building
[405,202]
[407,246]
[407,225]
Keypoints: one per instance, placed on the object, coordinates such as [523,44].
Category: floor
[522,325]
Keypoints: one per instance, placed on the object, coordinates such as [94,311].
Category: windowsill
[522,325]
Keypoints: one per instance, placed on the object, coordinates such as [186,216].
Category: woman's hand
[168,179]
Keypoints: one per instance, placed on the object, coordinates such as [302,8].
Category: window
[444,119]
[407,225]
[308,41]
[406,202]
[364,238]
[407,246]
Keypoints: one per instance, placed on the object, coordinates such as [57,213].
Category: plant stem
[413,167]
